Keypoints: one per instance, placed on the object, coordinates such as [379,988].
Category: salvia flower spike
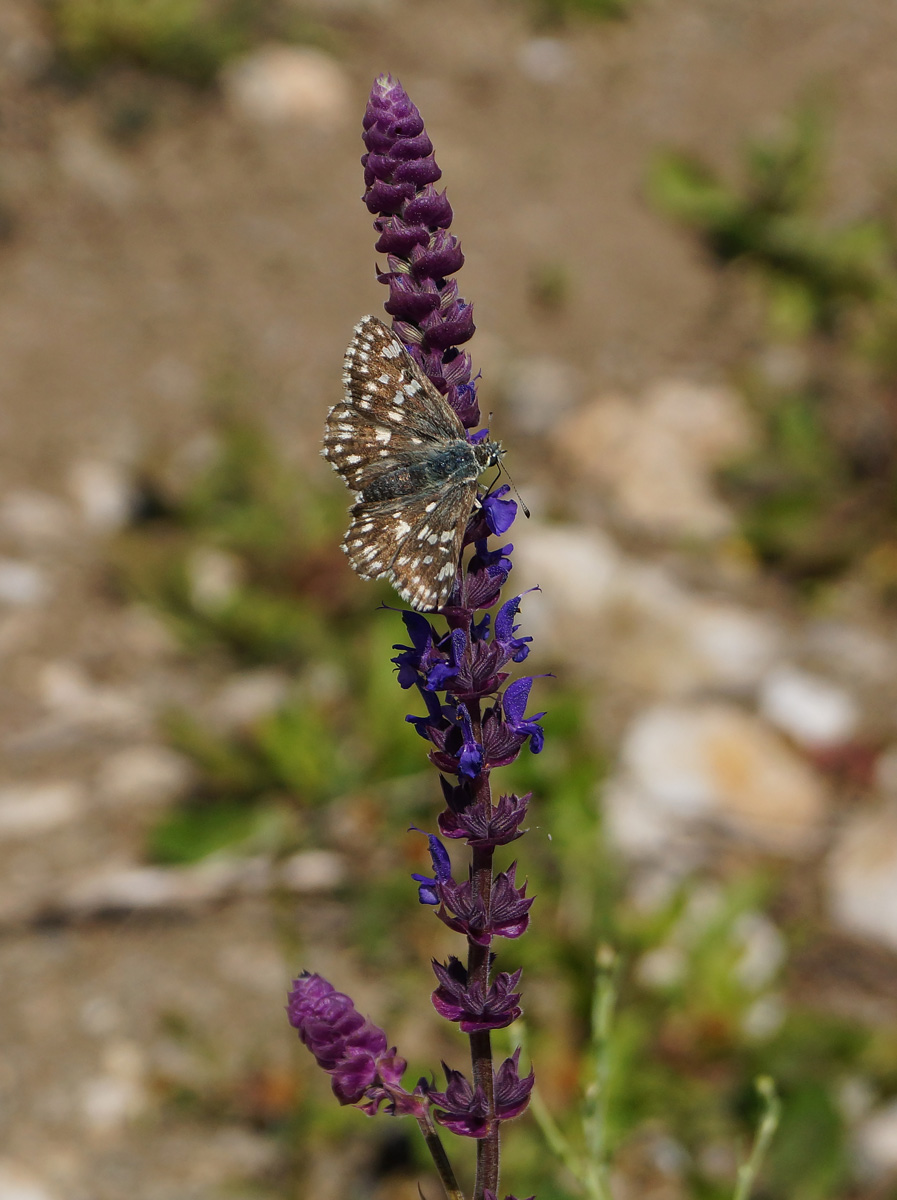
[459,654]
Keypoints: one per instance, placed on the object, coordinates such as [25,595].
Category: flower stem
[440,1158]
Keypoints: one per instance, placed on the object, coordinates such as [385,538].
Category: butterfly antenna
[526,511]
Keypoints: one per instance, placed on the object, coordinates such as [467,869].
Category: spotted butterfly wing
[401,447]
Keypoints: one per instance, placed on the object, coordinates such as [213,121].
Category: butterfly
[400,446]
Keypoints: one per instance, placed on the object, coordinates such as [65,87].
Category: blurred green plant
[818,493]
[814,272]
[556,12]
[188,40]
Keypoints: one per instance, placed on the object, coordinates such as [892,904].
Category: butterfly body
[399,444]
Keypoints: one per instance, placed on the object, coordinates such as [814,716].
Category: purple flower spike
[413,221]
[351,1049]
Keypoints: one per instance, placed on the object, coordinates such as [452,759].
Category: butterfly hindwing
[416,543]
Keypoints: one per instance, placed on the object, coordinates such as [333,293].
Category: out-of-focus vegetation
[185,39]
[703,1005]
[819,495]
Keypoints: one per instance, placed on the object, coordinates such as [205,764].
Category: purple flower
[464,1109]
[500,513]
[413,220]
[351,1049]
[514,704]
[513,647]
[428,892]
[497,827]
[465,911]
[458,999]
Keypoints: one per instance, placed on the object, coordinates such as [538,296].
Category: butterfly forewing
[390,409]
[402,448]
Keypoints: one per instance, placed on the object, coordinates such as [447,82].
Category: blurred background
[680,222]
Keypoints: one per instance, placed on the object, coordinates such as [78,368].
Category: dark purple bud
[399,239]
[511,1092]
[484,828]
[428,892]
[514,703]
[430,208]
[465,912]
[500,513]
[509,908]
[458,999]
[350,1048]
[387,197]
[462,1109]
[487,573]
[440,258]
[408,303]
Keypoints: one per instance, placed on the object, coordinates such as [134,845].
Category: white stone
[545,59]
[249,697]
[313,871]
[70,694]
[18,1182]
[763,950]
[29,809]
[118,1096]
[214,577]
[92,166]
[812,710]
[632,623]
[875,1143]
[654,458]
[862,877]
[688,766]
[22,584]
[35,516]
[103,492]
[143,775]
[540,390]
[147,889]
[279,84]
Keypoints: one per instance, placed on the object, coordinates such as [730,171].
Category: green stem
[769,1121]
[440,1158]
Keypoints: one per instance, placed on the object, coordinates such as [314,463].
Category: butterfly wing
[390,409]
[416,543]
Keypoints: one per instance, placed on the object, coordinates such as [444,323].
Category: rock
[540,390]
[162,889]
[119,1095]
[632,623]
[654,459]
[18,1182]
[141,775]
[104,493]
[29,809]
[90,165]
[69,694]
[278,84]
[214,577]
[35,517]
[313,871]
[249,697]
[862,877]
[810,709]
[22,584]
[875,1143]
[692,766]
[545,60]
